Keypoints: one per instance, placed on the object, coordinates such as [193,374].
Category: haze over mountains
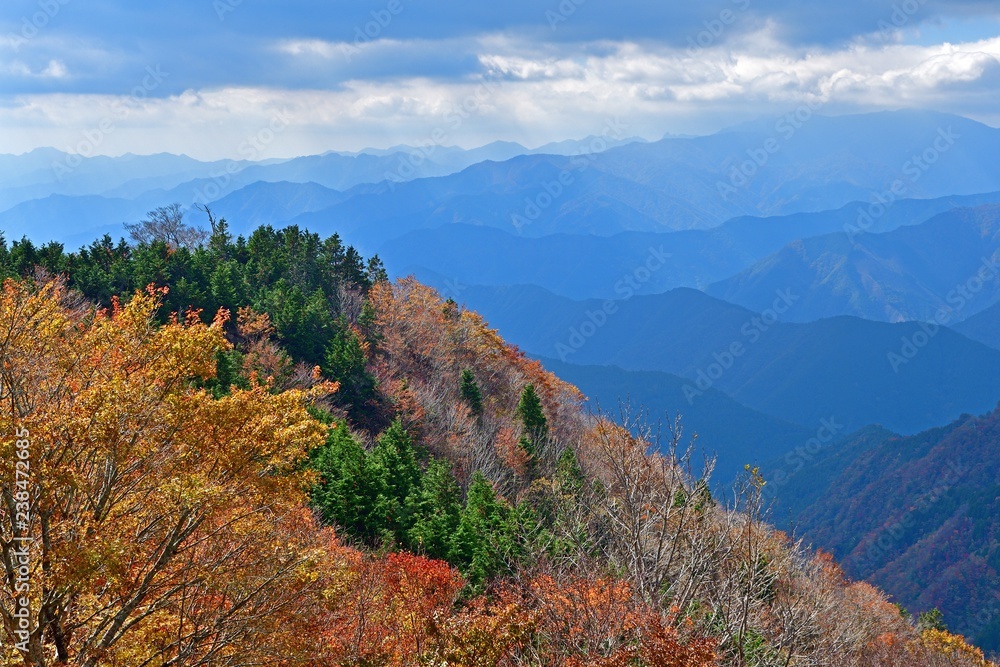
[841,367]
[39,185]
[772,167]
[884,217]
[580,266]
[948,265]
[677,184]
[782,282]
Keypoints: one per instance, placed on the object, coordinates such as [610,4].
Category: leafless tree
[166,224]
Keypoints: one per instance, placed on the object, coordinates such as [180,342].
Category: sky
[258,79]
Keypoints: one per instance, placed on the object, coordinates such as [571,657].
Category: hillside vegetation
[258,451]
[916,515]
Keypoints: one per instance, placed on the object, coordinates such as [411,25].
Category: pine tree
[375,272]
[485,540]
[569,476]
[394,462]
[932,619]
[562,531]
[346,362]
[535,430]
[471,393]
[349,487]
[220,241]
[436,507]
[227,286]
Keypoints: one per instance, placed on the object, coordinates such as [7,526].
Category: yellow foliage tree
[945,643]
[143,522]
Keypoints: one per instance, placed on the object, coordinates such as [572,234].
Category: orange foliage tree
[589,620]
[161,526]
[388,607]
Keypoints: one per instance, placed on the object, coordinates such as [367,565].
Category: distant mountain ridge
[762,169]
[677,184]
[582,266]
[946,269]
[983,327]
[46,171]
[856,371]
[733,434]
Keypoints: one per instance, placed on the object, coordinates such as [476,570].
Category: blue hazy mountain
[501,195]
[983,326]
[761,169]
[72,221]
[582,266]
[696,183]
[905,376]
[732,433]
[265,203]
[948,265]
[455,158]
[158,180]
[47,171]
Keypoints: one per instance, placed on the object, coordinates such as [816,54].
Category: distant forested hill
[917,515]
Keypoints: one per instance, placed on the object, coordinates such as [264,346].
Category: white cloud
[312,47]
[542,94]
[54,69]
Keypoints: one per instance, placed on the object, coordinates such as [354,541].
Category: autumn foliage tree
[163,526]
[178,470]
[388,608]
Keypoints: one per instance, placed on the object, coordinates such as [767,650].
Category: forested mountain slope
[916,515]
[278,457]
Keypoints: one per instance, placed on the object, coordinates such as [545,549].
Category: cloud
[209,48]
[355,74]
[535,94]
[54,69]
[314,47]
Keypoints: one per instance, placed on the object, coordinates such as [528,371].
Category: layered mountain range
[820,297]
